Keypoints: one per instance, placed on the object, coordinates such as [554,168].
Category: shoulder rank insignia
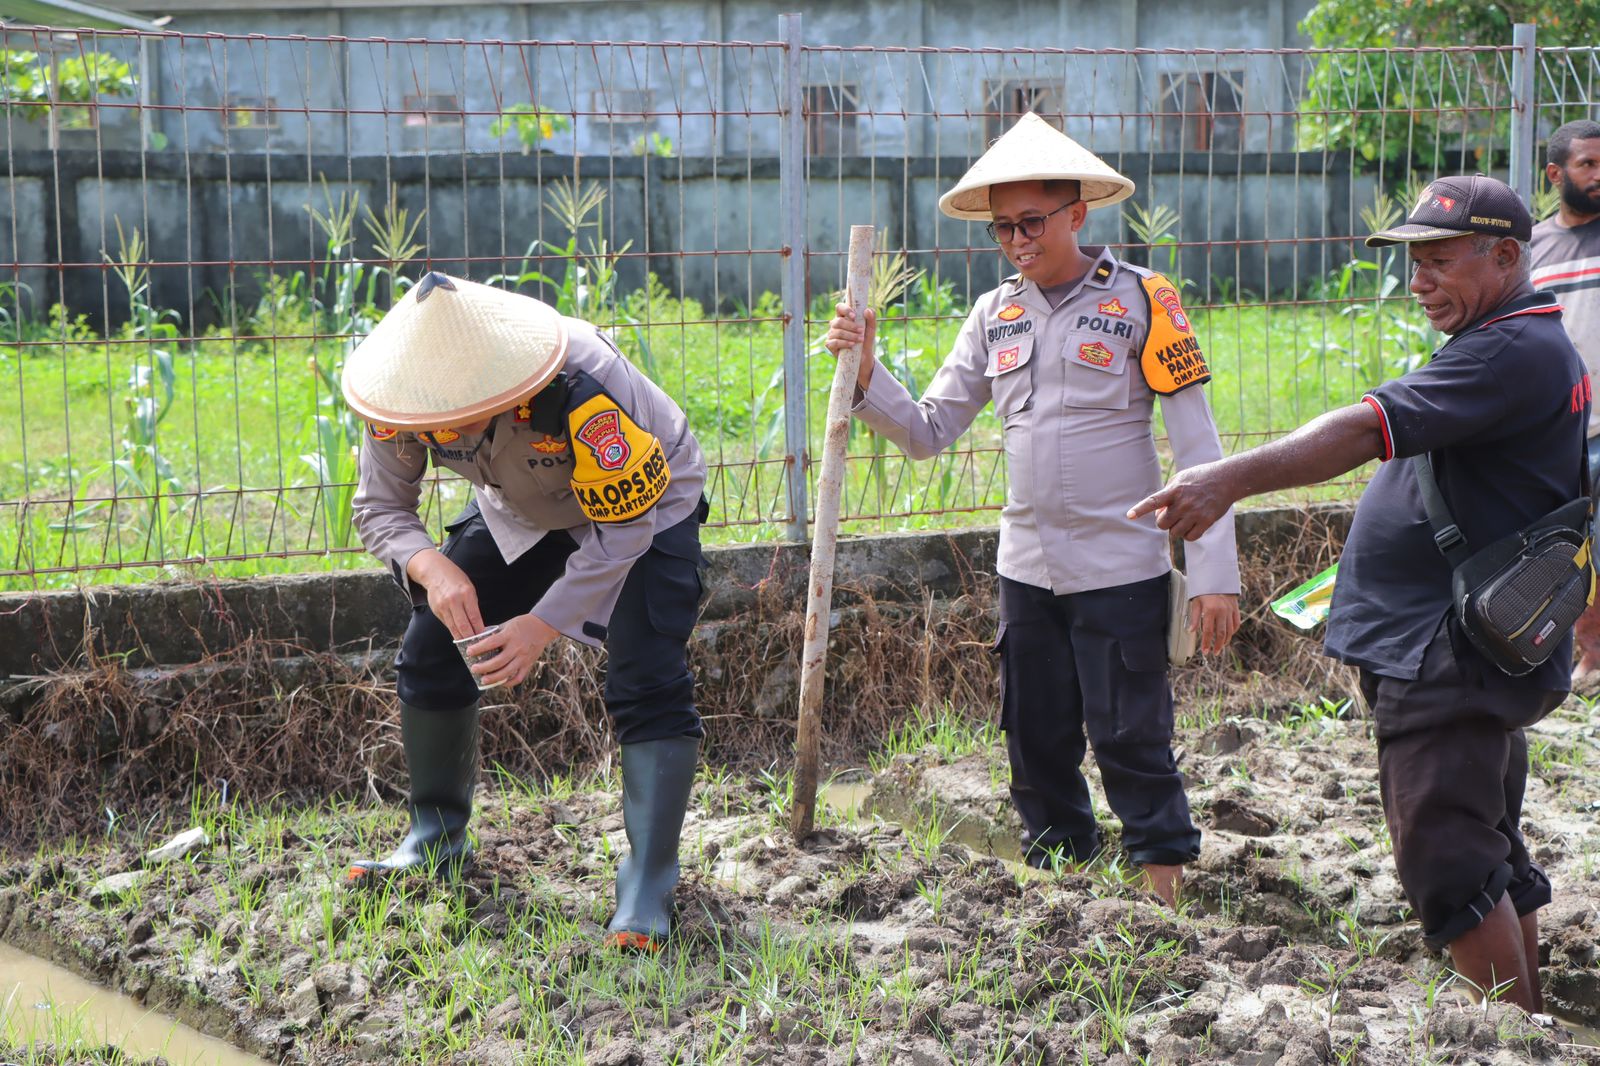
[1171,358]
[620,470]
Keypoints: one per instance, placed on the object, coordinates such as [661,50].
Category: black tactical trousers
[1085,670]
[649,692]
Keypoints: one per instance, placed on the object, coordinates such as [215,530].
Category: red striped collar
[1536,303]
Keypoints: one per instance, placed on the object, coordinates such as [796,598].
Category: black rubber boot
[442,759]
[657,777]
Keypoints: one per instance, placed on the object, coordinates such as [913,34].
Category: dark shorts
[1452,768]
[649,691]
[1089,669]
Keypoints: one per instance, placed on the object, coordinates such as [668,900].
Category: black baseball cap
[1455,207]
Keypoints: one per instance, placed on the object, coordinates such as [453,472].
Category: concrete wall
[223,222]
[354,611]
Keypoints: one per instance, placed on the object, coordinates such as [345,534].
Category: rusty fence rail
[197,228]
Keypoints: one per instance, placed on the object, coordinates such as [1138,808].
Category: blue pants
[649,691]
[1090,669]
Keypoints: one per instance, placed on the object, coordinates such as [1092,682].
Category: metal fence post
[792,207]
[1524,61]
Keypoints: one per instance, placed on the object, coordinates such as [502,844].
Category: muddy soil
[1294,945]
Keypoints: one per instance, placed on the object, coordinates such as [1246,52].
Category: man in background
[1566,262]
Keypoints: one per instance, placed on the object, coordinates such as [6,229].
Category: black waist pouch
[1517,598]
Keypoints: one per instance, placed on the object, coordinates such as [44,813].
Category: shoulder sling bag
[1517,598]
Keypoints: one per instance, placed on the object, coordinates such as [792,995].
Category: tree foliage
[1392,103]
[29,83]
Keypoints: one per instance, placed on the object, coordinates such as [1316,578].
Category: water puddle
[44,1003]
[856,800]
[1582,1035]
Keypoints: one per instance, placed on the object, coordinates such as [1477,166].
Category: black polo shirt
[1503,407]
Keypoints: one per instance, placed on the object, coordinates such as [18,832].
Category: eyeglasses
[1031,227]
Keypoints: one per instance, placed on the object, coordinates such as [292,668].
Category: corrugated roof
[71,14]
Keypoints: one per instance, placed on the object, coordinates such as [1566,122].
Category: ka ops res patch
[619,470]
[1171,358]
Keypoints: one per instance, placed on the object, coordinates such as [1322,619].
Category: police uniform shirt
[1503,407]
[601,452]
[1074,388]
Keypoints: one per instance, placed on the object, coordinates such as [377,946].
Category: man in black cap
[1501,410]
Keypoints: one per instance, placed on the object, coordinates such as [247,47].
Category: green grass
[242,431]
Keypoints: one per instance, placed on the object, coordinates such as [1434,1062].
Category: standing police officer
[584,523]
[1073,350]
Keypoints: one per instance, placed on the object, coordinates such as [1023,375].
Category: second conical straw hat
[452,351]
[1033,150]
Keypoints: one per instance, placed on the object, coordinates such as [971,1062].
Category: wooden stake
[825,535]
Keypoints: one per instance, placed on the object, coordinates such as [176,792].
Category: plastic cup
[461,646]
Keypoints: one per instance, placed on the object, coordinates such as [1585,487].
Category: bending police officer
[584,523]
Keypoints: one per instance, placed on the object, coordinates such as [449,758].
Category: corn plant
[1155,227]
[140,470]
[587,287]
[346,295]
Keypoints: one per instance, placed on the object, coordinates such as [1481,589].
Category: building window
[1006,101]
[251,113]
[1203,112]
[431,109]
[831,115]
[625,117]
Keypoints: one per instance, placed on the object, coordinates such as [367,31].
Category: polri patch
[548,444]
[1011,312]
[1112,307]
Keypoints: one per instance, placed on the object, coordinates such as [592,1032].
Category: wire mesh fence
[197,228]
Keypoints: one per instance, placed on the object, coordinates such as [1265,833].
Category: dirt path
[885,939]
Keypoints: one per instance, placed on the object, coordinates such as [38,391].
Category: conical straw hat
[1033,150]
[453,351]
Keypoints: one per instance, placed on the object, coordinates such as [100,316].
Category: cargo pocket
[672,598]
[1142,703]
[998,650]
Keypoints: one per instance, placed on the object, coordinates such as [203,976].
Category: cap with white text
[1457,206]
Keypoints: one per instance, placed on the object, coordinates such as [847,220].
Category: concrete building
[361,84]
[466,112]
